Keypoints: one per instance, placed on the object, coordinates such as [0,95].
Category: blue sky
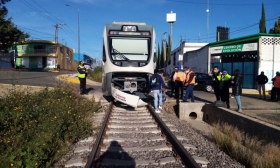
[38,17]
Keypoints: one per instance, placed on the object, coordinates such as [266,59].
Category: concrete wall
[254,127]
[269,50]
[197,60]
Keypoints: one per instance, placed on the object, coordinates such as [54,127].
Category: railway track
[138,138]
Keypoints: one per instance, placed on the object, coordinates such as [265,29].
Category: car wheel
[208,88]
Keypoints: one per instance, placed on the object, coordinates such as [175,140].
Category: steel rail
[186,157]
[95,148]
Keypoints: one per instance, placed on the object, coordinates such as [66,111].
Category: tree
[168,51]
[2,2]
[9,33]
[161,56]
[158,57]
[262,24]
[276,28]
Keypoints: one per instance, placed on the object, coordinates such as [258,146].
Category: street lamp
[78,30]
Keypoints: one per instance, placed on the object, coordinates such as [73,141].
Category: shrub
[247,150]
[37,128]
[96,74]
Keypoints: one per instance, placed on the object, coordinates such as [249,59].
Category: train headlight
[142,64]
[118,63]
[129,28]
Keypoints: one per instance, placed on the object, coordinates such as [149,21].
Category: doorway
[44,62]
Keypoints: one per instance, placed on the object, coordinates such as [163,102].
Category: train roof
[130,23]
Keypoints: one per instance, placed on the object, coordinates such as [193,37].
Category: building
[7,60]
[43,55]
[222,33]
[183,48]
[87,59]
[249,54]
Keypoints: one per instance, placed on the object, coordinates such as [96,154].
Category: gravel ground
[205,147]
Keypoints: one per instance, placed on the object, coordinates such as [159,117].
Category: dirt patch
[171,107]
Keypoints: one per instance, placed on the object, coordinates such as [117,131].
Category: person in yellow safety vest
[82,77]
[224,85]
[190,82]
[179,79]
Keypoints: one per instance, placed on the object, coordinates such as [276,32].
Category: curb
[25,86]
[69,79]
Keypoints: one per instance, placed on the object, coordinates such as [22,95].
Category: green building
[42,55]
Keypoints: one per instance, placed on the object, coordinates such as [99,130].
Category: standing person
[82,77]
[224,85]
[156,85]
[237,88]
[161,73]
[172,81]
[276,87]
[190,81]
[216,83]
[179,78]
[261,80]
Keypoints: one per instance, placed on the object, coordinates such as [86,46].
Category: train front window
[129,49]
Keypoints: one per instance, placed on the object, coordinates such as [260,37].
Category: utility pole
[56,31]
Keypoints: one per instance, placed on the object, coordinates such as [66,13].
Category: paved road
[48,79]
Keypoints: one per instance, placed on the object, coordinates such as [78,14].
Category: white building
[183,48]
[249,54]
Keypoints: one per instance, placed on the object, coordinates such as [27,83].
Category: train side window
[103,54]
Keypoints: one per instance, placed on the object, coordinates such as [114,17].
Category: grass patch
[247,150]
[37,128]
[96,74]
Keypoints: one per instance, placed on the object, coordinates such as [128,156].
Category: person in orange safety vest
[276,87]
[190,82]
[179,79]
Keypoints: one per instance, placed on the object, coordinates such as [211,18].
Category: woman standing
[237,89]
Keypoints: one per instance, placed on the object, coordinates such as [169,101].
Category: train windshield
[129,49]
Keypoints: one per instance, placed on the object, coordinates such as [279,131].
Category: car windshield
[129,48]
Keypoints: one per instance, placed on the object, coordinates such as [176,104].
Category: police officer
[82,77]
[224,83]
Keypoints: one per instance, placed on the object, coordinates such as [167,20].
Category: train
[129,58]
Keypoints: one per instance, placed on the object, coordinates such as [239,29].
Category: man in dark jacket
[157,90]
[172,82]
[262,80]
[224,85]
[216,84]
[237,88]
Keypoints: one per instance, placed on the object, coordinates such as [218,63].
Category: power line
[47,11]
[225,4]
[35,30]
[39,12]
[69,32]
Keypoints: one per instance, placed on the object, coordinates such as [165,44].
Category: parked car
[203,80]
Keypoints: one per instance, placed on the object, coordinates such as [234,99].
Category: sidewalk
[73,78]
[94,88]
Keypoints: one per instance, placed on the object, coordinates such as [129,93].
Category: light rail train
[128,58]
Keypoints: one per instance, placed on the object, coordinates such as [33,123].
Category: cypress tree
[168,50]
[276,28]
[262,24]
[161,56]
[158,57]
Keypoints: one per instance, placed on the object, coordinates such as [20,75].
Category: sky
[39,17]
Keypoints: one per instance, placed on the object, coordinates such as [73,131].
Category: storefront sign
[234,48]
